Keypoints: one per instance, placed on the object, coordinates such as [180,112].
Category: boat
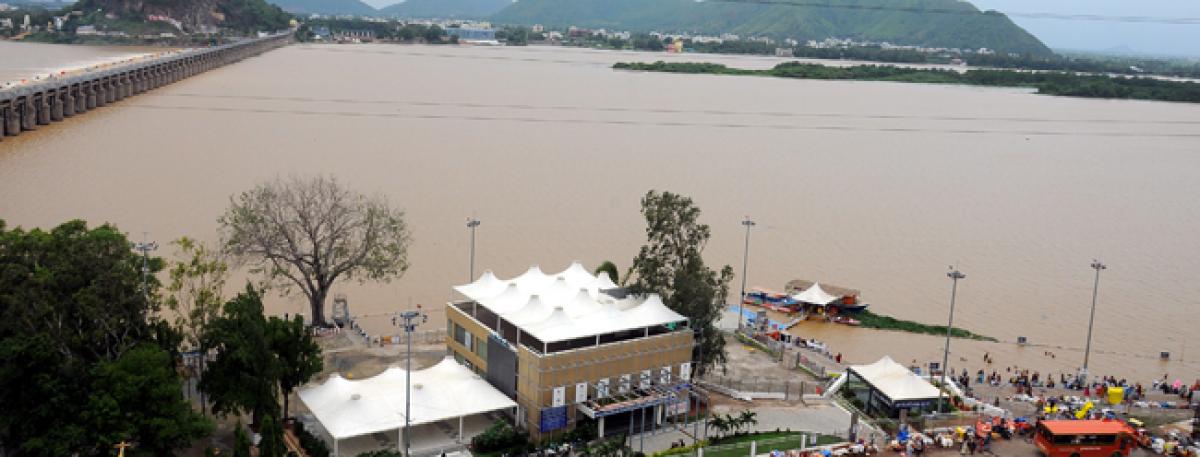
[846,321]
[852,308]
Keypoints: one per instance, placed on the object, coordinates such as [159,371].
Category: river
[30,61]
[871,185]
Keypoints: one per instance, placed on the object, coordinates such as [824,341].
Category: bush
[315,447]
[499,437]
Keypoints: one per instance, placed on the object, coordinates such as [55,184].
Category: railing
[762,388]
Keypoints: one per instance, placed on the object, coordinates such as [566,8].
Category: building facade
[568,350]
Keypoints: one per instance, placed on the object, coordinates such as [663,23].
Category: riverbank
[1046,83]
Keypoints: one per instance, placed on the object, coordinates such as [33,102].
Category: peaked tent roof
[815,295]
[348,408]
[573,300]
[895,381]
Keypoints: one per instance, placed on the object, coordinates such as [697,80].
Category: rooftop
[569,305]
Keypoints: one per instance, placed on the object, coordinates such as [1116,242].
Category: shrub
[499,437]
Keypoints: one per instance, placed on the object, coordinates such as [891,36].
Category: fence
[761,388]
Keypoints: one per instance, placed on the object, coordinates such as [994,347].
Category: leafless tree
[310,232]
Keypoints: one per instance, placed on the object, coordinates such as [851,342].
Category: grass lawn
[766,442]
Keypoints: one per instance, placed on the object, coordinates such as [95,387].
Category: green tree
[244,376]
[298,356]
[198,277]
[137,397]
[671,264]
[271,444]
[79,346]
[241,441]
[434,34]
[611,269]
[748,419]
[309,233]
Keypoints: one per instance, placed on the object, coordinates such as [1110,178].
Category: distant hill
[193,15]
[960,24]
[330,7]
[467,9]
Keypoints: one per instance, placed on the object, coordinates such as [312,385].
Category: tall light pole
[745,257]
[471,224]
[145,248]
[1096,265]
[411,319]
[954,276]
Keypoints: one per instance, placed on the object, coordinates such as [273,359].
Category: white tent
[815,295]
[895,381]
[349,408]
[567,305]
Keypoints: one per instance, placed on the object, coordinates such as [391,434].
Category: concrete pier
[24,108]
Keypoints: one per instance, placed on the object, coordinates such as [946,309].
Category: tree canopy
[82,359]
[671,264]
[243,377]
[309,233]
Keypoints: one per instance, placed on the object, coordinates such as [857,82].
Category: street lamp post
[1096,265]
[954,276]
[745,257]
[471,224]
[145,247]
[411,320]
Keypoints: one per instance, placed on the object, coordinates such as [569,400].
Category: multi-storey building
[570,346]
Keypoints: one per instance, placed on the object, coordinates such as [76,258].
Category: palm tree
[735,423]
[749,419]
[718,423]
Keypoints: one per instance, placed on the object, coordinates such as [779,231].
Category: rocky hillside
[187,16]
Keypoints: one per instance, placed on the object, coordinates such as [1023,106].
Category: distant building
[6,23]
[784,52]
[86,30]
[537,28]
[471,35]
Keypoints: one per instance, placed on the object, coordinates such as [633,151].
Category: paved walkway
[825,419]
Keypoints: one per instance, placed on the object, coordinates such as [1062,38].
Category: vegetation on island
[869,319]
[382,30]
[671,264]
[1049,83]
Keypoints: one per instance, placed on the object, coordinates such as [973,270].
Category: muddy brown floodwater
[872,185]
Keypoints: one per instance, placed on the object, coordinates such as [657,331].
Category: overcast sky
[1095,35]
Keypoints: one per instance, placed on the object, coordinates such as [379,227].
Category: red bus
[1080,438]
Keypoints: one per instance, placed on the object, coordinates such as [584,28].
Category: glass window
[480,348]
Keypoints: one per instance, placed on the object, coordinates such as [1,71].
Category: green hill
[955,23]
[468,9]
[331,7]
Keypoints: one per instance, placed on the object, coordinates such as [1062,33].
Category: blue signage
[553,418]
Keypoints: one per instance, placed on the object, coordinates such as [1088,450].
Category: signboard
[626,383]
[664,375]
[553,419]
[560,396]
[645,380]
[685,371]
[581,389]
[678,408]
[602,388]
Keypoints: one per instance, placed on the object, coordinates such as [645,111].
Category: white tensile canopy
[895,381]
[349,408]
[814,295]
[567,305]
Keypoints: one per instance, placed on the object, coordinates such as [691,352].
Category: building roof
[566,305]
[1088,427]
[348,408]
[797,285]
[895,381]
[816,296]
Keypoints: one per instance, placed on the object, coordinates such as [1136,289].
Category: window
[481,348]
[460,335]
